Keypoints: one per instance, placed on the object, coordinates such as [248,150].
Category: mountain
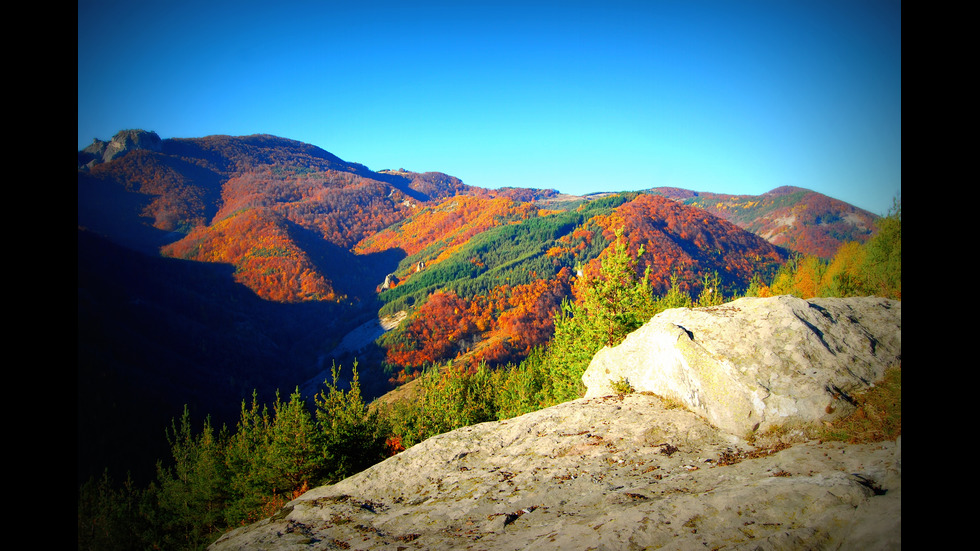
[211,267]
[798,219]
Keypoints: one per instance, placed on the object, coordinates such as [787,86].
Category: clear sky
[723,96]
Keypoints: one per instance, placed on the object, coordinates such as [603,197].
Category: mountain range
[211,268]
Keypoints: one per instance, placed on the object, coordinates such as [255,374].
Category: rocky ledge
[631,471]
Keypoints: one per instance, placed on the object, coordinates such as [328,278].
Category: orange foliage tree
[502,326]
[451,223]
[434,331]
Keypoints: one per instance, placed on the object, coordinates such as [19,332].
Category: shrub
[622,386]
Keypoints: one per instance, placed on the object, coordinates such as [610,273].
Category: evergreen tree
[611,305]
[111,517]
[711,294]
[673,298]
[520,389]
[842,278]
[245,461]
[192,492]
[354,435]
[294,456]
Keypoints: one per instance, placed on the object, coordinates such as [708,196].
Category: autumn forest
[219,271]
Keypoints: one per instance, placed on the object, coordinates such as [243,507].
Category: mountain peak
[123,142]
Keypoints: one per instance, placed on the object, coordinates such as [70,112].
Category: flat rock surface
[617,472]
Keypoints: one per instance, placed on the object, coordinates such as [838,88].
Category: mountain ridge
[222,157]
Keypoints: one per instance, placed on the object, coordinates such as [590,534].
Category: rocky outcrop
[619,472]
[123,142]
[757,362]
[390,281]
[635,471]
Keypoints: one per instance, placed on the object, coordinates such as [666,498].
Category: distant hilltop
[798,219]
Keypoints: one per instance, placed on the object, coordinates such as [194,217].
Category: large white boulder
[756,362]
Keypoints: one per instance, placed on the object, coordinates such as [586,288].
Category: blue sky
[722,96]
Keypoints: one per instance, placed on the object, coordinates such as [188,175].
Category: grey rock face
[604,473]
[123,142]
[390,281]
[757,362]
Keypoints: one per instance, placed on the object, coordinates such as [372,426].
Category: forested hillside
[211,267]
[497,292]
[798,219]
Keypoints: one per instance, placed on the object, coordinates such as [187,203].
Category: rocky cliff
[124,141]
[636,471]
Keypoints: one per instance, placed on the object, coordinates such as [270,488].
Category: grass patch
[668,402]
[790,432]
[878,416]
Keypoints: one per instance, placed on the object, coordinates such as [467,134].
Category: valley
[213,267]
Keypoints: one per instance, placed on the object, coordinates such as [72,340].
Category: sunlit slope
[798,219]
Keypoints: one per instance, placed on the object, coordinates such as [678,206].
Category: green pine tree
[192,492]
[612,304]
[354,435]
